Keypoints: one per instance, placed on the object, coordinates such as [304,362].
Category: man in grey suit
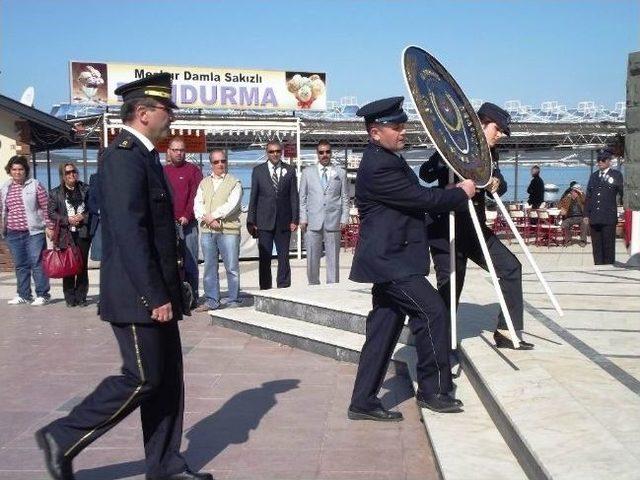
[324,211]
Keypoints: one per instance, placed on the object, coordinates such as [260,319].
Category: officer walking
[601,208]
[140,295]
[495,123]
[392,254]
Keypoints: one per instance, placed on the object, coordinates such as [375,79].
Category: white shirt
[329,170]
[281,172]
[232,203]
[145,141]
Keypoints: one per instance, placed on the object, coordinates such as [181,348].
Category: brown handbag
[61,262]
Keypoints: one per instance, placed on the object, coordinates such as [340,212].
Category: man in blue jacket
[392,254]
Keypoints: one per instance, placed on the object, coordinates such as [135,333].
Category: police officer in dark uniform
[140,295]
[601,208]
[392,254]
[495,123]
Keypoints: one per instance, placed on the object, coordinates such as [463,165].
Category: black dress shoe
[378,414]
[440,402]
[58,465]
[420,398]
[186,475]
[505,342]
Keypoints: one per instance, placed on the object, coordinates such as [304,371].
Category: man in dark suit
[601,208]
[140,295]
[495,124]
[273,214]
[392,254]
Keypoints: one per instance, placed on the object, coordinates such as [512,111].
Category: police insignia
[126,143]
[447,116]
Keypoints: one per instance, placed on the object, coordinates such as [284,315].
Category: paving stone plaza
[268,384]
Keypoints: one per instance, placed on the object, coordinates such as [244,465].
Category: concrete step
[462,442]
[320,306]
[563,416]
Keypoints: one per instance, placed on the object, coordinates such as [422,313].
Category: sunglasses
[324,152]
[69,172]
[216,162]
[162,107]
[274,151]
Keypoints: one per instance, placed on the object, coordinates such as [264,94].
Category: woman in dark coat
[68,208]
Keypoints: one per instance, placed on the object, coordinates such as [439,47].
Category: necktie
[274,176]
[324,177]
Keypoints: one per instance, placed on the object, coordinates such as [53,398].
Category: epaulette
[126,143]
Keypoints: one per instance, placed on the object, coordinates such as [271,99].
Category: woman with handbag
[68,208]
[23,205]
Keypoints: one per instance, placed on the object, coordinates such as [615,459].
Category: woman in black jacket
[68,208]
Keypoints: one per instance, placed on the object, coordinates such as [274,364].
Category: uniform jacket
[392,206]
[324,207]
[93,204]
[435,169]
[602,206]
[57,209]
[268,209]
[139,270]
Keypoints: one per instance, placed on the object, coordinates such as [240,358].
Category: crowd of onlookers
[207,217]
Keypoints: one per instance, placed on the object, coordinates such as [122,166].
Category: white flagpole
[492,272]
[527,253]
[453,304]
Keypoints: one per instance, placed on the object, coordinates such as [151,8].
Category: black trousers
[413,296]
[603,242]
[152,380]
[508,267]
[266,239]
[75,287]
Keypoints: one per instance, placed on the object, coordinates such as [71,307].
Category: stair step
[462,442]
[552,434]
[319,311]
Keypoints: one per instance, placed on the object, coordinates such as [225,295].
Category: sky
[533,51]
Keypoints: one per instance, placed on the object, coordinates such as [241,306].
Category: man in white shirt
[217,209]
[324,211]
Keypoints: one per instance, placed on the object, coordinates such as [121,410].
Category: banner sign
[193,142]
[202,87]
[447,116]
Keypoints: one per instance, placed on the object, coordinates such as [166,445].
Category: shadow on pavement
[231,424]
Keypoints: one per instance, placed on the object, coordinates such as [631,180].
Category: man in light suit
[273,214]
[324,211]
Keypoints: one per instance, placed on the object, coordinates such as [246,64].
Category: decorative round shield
[447,116]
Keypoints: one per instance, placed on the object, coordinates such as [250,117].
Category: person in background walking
[23,203]
[535,191]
